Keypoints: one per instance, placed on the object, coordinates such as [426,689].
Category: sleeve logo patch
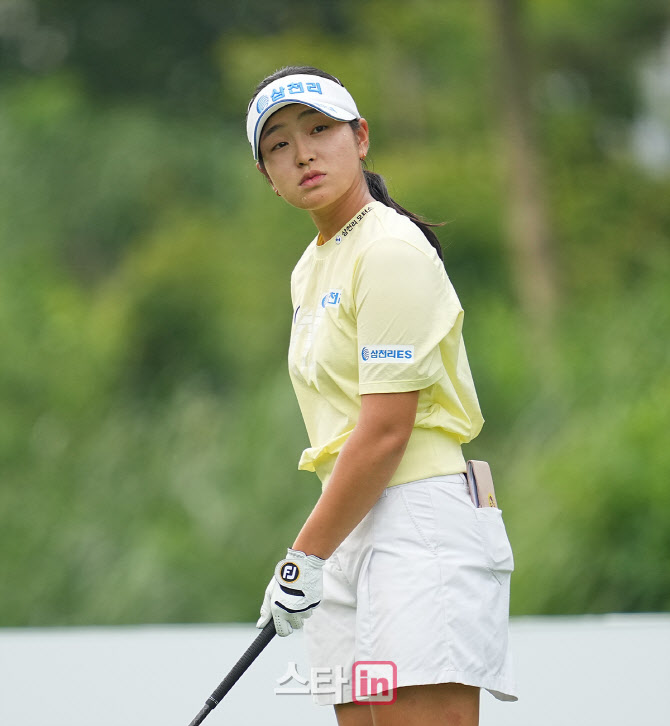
[387,353]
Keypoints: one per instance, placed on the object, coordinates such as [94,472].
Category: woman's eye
[278,145]
[318,129]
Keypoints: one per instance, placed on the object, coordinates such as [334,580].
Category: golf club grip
[248,657]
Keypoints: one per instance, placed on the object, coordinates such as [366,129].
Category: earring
[277,192]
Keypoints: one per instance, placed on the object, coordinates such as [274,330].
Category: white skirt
[418,594]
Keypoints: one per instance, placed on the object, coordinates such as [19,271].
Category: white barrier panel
[576,671]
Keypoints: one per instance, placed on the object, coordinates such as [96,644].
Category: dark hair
[375,182]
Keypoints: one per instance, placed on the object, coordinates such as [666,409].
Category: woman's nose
[303,154]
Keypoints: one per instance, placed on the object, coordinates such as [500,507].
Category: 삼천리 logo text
[387,353]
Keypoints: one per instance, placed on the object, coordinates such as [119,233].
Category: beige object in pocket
[480,483]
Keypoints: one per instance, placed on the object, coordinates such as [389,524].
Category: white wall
[582,671]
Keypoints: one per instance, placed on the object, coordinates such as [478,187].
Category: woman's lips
[312,180]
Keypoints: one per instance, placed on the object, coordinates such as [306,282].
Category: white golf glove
[294,591]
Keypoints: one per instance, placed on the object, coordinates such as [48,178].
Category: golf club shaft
[249,656]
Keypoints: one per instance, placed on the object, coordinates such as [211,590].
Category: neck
[330,220]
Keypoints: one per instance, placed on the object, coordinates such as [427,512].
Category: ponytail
[377,188]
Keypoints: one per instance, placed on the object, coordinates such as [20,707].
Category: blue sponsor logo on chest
[332,298]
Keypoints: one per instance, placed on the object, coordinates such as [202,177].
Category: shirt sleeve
[405,307]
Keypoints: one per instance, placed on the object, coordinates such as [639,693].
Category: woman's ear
[262,170]
[363,138]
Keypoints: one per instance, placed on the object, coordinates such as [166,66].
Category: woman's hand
[294,591]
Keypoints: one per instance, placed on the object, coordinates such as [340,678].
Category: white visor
[320,93]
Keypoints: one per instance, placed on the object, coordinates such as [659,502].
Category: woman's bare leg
[353,714]
[442,704]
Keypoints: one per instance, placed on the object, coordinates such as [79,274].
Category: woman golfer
[406,582]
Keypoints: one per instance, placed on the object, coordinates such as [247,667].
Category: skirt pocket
[498,550]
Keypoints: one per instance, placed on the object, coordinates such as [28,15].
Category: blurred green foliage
[148,431]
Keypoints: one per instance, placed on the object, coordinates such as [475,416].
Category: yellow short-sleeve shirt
[374,312]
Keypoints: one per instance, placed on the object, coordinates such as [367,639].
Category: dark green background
[148,432]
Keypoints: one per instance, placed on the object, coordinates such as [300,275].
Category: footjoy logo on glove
[374,681]
[289,572]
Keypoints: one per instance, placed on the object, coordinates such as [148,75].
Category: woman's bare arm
[364,468]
